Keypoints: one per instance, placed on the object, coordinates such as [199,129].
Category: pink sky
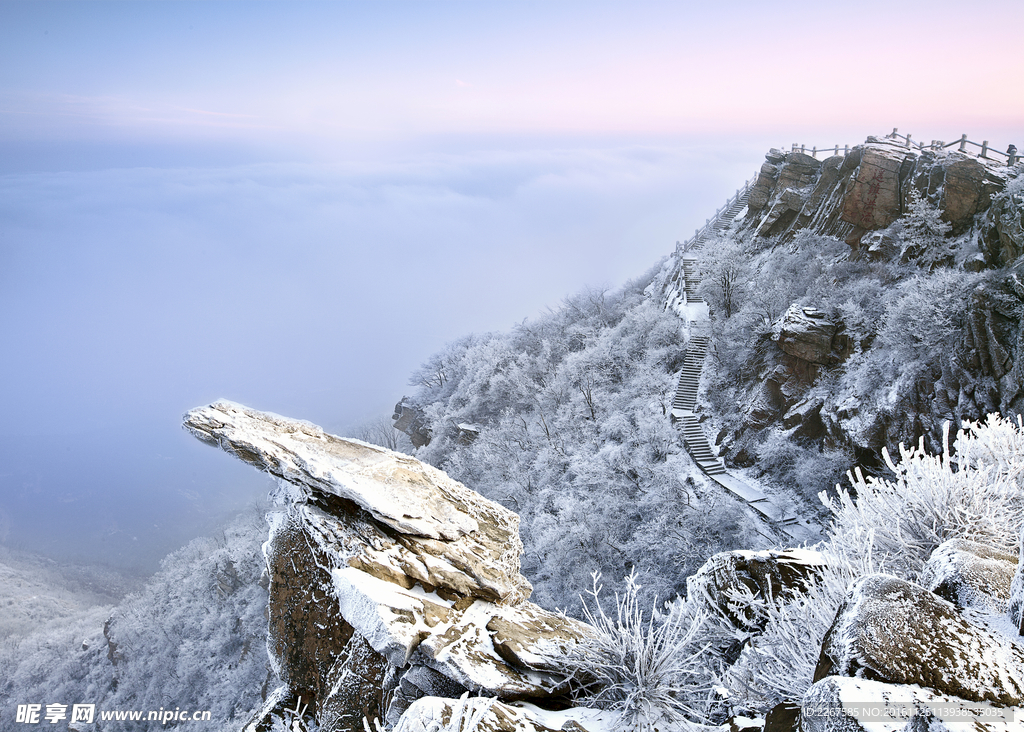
[342,73]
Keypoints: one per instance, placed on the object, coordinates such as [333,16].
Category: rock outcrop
[866,190]
[968,213]
[970,575]
[806,334]
[726,576]
[388,580]
[897,632]
[409,418]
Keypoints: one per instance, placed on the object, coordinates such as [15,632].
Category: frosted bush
[974,494]
[777,664]
[654,672]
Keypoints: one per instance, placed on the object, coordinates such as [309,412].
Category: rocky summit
[389,581]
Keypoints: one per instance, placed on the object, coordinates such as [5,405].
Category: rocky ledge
[389,582]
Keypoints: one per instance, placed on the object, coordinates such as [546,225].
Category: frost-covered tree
[973,490]
[575,437]
[192,638]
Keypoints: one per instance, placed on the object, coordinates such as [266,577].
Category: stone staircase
[684,403]
[689,377]
[690,280]
[722,218]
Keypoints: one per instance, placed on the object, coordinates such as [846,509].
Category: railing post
[908,141]
[984,148]
[814,151]
[846,149]
[894,131]
[1011,156]
[963,142]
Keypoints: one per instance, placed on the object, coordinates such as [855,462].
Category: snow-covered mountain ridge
[861,301]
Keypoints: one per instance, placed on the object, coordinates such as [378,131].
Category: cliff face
[909,217]
[848,196]
[388,581]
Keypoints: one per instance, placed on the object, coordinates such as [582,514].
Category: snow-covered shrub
[653,671]
[923,233]
[575,437]
[192,638]
[924,317]
[786,462]
[973,494]
[777,664]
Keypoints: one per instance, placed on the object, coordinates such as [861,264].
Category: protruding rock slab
[388,579]
[970,575]
[440,516]
[895,631]
[843,704]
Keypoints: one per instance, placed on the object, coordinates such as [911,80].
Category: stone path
[685,401]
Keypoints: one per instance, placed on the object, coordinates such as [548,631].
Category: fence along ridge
[719,216]
[1011,156]
[712,224]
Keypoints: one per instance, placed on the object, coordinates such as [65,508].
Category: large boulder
[388,580]
[805,333]
[729,576]
[970,575]
[895,631]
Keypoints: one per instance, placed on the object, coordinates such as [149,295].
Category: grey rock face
[897,632]
[970,575]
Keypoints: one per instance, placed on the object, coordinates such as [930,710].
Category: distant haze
[293,205]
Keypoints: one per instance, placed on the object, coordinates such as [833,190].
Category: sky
[293,204]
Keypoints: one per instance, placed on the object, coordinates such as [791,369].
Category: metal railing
[1011,156]
[709,226]
[845,149]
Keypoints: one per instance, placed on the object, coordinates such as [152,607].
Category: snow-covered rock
[895,631]
[844,704]
[727,576]
[430,713]
[970,575]
[388,579]
[805,333]
[429,514]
